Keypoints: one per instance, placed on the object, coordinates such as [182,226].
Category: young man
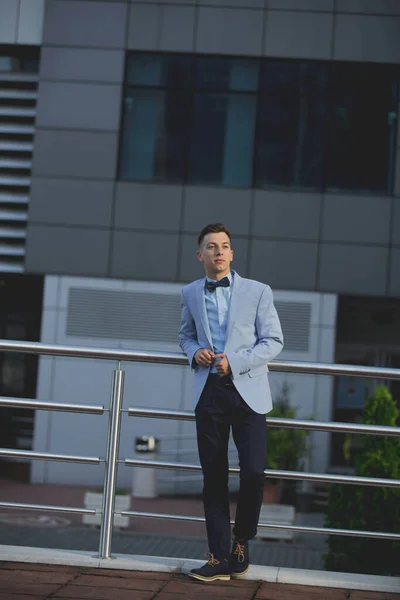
[229,331]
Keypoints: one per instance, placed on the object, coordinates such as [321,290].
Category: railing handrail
[31,455]
[114,417]
[178,358]
[49,508]
[295,528]
[273,473]
[185,415]
[60,406]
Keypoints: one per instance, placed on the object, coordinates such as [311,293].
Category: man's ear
[199,256]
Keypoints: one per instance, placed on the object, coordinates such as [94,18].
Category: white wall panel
[229,31]
[177,28]
[373,7]
[8,21]
[144,25]
[293,34]
[30,22]
[367,38]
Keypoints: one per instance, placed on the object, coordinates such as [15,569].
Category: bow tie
[212,285]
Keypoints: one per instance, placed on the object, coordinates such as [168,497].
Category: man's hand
[204,357]
[222,365]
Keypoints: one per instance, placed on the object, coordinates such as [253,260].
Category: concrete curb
[78,558]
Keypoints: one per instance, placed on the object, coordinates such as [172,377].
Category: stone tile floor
[19,581]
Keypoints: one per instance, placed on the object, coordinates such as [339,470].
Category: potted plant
[285,446]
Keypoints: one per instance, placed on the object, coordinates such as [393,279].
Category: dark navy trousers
[219,409]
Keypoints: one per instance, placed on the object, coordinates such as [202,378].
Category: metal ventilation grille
[151,317]
[155,317]
[17,127]
[295,319]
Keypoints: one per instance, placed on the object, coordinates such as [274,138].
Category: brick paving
[19,581]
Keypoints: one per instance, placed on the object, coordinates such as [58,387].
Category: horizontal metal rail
[185,415]
[178,358]
[333,369]
[294,528]
[160,413]
[91,460]
[19,77]
[114,429]
[93,352]
[270,473]
[13,198]
[49,508]
[333,426]
[61,406]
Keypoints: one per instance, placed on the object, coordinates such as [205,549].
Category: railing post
[110,475]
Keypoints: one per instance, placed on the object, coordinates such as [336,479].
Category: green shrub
[285,446]
[367,507]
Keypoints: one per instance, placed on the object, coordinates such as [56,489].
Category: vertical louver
[17,127]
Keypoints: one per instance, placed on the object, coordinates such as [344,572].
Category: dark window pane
[22,59]
[291,125]
[318,124]
[153,135]
[226,74]
[289,77]
[158,70]
[30,65]
[362,131]
[9,64]
[144,70]
[222,139]
[290,149]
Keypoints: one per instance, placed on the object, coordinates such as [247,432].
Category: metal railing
[115,411]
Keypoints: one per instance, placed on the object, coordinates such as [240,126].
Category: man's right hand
[204,357]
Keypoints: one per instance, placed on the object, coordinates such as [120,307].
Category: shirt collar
[229,276]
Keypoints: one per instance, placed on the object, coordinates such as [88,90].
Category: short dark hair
[212,228]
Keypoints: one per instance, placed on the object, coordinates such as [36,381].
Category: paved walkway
[280,566]
[44,582]
[39,534]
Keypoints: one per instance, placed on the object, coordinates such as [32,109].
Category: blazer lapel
[201,303]
[234,304]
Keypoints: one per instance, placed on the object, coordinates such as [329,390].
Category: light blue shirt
[217,307]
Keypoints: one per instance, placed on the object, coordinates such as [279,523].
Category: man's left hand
[222,364]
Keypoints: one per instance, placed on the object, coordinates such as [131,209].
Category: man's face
[216,254]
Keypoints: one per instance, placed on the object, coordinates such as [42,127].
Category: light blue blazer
[254,337]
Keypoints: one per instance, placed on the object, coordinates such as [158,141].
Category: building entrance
[20,319]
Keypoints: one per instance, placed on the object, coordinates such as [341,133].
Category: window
[362,127]
[223,122]
[292,124]
[155,118]
[261,123]
[187,119]
[19,59]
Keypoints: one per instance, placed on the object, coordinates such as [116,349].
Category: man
[229,331]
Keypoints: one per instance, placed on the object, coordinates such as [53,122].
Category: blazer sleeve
[270,339]
[188,332]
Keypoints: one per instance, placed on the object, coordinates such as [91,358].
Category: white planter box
[95,500]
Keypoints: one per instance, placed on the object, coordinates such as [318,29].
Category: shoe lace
[212,561]
[239,550]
